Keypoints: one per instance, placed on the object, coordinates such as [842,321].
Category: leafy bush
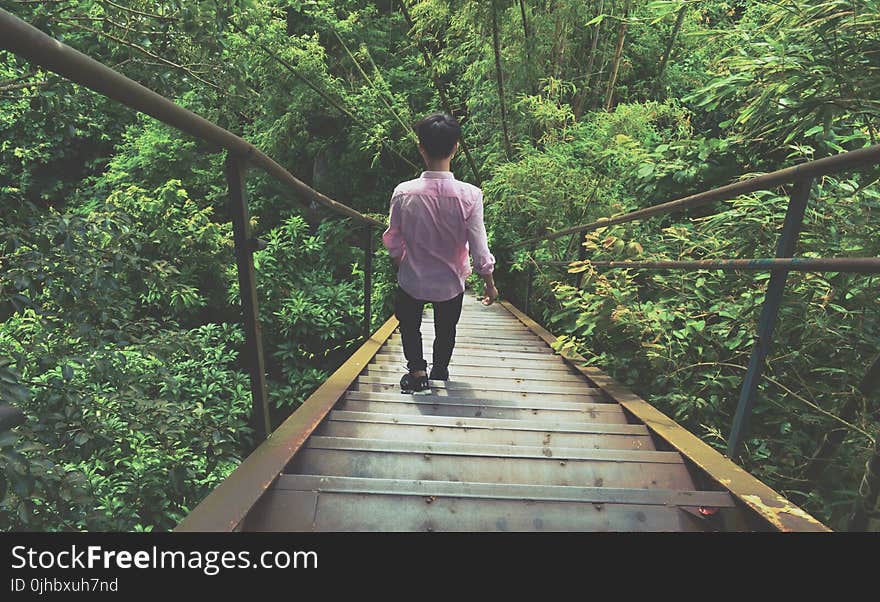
[121,436]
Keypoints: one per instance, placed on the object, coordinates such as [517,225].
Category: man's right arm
[484,261]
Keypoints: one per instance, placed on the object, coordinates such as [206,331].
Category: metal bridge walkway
[520,439]
[516,440]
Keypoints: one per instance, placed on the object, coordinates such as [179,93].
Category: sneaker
[415,385]
[438,374]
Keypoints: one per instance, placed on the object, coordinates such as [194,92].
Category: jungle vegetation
[120,333]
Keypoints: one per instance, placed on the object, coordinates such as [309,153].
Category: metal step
[610,468]
[576,395]
[460,372]
[305,511]
[501,332]
[567,427]
[493,450]
[481,334]
[464,337]
[327,503]
[502,491]
[472,348]
[495,436]
[488,384]
[478,319]
[460,357]
[465,410]
[531,401]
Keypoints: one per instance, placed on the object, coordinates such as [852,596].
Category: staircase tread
[606,495]
[511,452]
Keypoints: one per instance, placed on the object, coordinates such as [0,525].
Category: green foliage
[121,436]
[136,251]
[801,72]
[312,303]
[118,288]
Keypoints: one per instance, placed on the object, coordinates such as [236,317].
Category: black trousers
[409,313]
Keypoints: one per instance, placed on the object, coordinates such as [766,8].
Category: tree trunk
[528,41]
[499,80]
[618,53]
[679,19]
[581,96]
[559,39]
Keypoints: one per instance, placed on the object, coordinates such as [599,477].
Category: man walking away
[435,221]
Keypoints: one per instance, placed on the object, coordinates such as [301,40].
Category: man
[435,220]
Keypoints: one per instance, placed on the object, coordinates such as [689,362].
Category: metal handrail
[813,169]
[25,40]
[860,265]
[802,177]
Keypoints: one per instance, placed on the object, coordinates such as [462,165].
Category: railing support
[794,217]
[368,281]
[247,285]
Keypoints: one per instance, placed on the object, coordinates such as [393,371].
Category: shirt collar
[438,175]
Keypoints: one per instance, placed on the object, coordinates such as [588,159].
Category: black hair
[438,134]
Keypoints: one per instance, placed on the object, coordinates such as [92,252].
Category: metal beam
[862,265]
[247,286]
[791,228]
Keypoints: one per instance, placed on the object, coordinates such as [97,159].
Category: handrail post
[247,285]
[368,281]
[791,228]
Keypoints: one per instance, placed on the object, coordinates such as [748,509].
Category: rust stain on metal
[781,515]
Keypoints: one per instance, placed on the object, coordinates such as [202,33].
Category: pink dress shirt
[435,221]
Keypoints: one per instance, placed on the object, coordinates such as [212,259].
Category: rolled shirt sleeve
[484,261]
[392,238]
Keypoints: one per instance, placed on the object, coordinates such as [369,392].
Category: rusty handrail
[27,41]
[813,169]
[861,265]
[802,177]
